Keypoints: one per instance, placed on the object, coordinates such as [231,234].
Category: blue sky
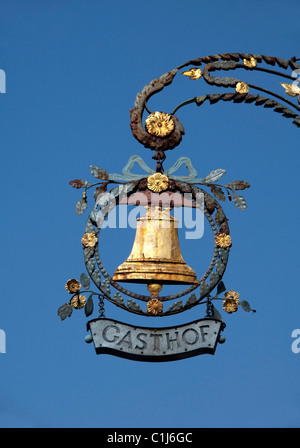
[73,69]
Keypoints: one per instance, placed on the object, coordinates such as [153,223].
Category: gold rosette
[157,182]
[252,62]
[242,87]
[154,306]
[89,239]
[72,286]
[159,124]
[230,304]
[78,301]
[223,240]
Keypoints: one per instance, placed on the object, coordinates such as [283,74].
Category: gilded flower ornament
[242,87]
[89,239]
[159,124]
[154,306]
[223,240]
[232,295]
[291,89]
[157,182]
[193,73]
[230,304]
[78,301]
[72,286]
[252,62]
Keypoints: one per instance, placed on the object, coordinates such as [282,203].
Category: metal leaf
[176,306]
[105,287]
[81,206]
[246,306]
[214,98]
[168,76]
[200,100]
[229,96]
[289,113]
[214,176]
[260,100]
[270,103]
[221,288]
[90,264]
[220,267]
[220,216]
[238,185]
[282,62]
[132,305]
[96,276]
[184,187]
[218,193]
[118,298]
[85,281]
[79,183]
[216,314]
[88,252]
[191,300]
[204,289]
[210,203]
[224,254]
[89,306]
[291,89]
[239,201]
[224,228]
[279,108]
[65,311]
[99,173]
[214,279]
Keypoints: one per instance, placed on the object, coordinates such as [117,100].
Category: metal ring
[96,254]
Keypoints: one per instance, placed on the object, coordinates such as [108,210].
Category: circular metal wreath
[219,258]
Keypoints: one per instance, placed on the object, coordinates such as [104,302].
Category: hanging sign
[155,344]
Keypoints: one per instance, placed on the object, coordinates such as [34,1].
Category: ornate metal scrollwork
[160,132]
[242,92]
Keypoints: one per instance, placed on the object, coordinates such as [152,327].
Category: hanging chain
[209,308]
[101,306]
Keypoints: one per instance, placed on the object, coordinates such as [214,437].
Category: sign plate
[155,344]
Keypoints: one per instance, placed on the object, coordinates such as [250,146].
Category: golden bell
[155,258]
